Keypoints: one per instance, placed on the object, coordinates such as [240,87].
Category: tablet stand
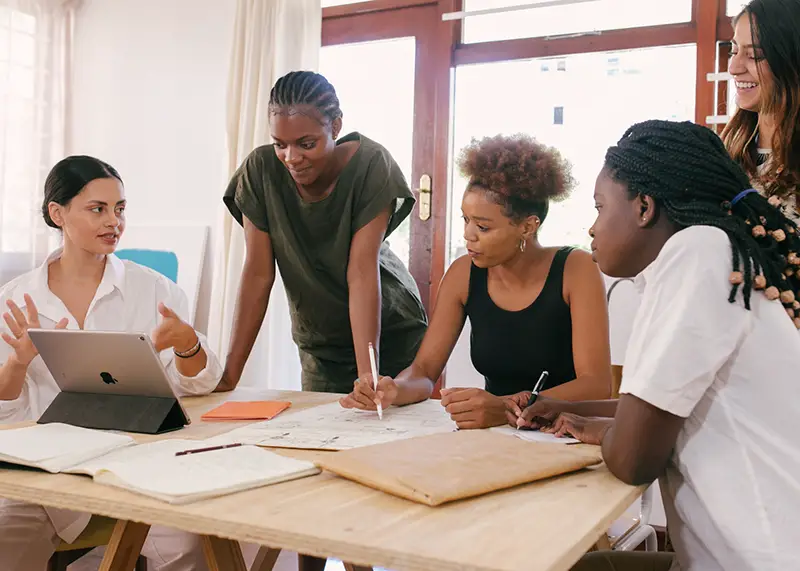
[128,413]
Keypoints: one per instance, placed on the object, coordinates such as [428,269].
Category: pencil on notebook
[209,449]
[374,366]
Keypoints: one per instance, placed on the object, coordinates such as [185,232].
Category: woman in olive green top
[321,208]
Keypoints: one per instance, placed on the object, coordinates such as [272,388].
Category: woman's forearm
[12,378]
[365,318]
[251,306]
[194,365]
[413,385]
[598,408]
[584,388]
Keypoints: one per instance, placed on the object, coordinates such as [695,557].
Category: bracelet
[190,353]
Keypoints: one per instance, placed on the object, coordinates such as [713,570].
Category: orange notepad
[247,410]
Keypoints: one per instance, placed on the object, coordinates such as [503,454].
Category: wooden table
[544,526]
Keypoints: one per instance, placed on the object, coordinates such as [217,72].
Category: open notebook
[150,469]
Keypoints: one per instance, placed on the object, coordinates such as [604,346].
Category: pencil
[209,449]
[374,366]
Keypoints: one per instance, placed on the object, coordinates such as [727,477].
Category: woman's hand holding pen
[542,413]
[515,404]
[365,397]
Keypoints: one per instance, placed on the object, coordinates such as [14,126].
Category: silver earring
[522,244]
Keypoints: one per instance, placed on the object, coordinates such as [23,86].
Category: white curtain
[271,38]
[35,42]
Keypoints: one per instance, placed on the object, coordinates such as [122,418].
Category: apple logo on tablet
[108,379]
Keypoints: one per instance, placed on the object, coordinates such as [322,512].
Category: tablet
[104,363]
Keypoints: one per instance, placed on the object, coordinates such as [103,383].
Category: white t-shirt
[623,303]
[126,300]
[732,487]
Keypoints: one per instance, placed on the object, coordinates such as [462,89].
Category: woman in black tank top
[531,308]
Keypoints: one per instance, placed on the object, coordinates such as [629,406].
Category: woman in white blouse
[84,286]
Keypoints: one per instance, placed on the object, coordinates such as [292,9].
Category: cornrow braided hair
[686,169]
[305,88]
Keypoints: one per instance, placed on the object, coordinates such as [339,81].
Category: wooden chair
[97,534]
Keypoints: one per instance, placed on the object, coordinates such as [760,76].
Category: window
[328,3]
[18,134]
[381,108]
[580,17]
[601,108]
[736,6]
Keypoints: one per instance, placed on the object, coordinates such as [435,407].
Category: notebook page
[55,447]
[534,435]
[181,479]
[135,454]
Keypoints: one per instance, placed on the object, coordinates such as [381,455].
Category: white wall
[459,371]
[149,88]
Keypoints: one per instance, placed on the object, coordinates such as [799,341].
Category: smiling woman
[320,206]
[764,134]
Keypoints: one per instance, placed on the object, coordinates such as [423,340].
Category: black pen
[537,388]
[209,449]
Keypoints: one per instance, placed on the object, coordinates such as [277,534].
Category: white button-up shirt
[126,300]
[732,487]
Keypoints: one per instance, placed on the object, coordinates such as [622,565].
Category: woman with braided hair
[763,135]
[710,388]
[321,206]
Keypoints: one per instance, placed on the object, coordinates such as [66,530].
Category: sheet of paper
[55,447]
[534,435]
[331,427]
[179,479]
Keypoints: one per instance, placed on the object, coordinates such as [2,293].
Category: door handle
[424,197]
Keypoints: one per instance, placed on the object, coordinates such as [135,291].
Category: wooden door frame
[388,19]
[383,19]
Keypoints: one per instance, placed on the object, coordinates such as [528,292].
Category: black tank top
[512,348]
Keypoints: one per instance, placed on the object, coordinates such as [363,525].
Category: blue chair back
[163,262]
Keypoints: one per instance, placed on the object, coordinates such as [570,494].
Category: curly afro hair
[517,172]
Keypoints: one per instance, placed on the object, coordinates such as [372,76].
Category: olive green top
[311,243]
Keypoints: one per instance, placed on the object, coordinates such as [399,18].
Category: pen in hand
[374,366]
[534,393]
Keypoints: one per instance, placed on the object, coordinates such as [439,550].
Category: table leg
[603,544]
[125,546]
[223,554]
[265,559]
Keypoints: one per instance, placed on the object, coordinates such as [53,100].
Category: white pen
[375,377]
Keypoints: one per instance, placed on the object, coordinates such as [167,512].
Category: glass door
[379,63]
[580,104]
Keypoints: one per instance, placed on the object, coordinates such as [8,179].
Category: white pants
[28,539]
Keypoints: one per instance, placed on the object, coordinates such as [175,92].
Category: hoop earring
[522,244]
